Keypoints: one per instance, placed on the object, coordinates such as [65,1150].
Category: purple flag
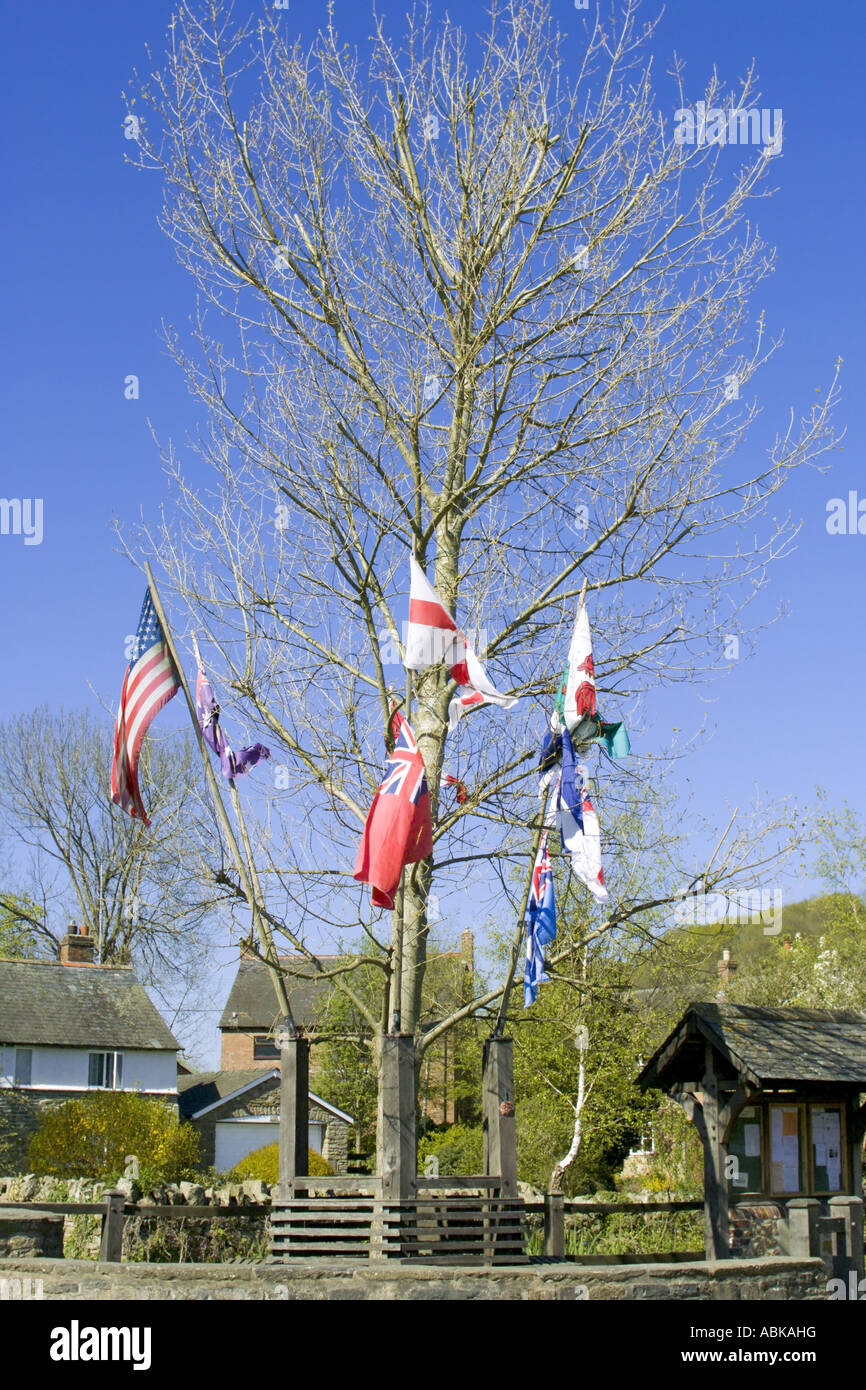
[232,764]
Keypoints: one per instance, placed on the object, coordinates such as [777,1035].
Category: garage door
[236,1138]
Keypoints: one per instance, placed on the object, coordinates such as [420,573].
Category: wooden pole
[396,991]
[242,864]
[521,920]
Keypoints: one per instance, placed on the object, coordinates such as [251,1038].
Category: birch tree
[465,296]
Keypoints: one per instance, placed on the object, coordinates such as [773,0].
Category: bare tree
[465,299]
[142,894]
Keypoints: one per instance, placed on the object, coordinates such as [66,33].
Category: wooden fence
[348,1217]
[555,1208]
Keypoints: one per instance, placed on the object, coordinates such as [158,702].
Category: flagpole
[397,957]
[248,879]
[521,920]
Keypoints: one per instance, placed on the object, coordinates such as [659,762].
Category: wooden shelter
[775,1095]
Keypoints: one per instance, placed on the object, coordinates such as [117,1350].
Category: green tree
[576,1055]
[22,933]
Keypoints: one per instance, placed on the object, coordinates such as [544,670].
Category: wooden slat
[442,1232]
[198,1213]
[458,1182]
[344,1183]
[321,1250]
[63,1208]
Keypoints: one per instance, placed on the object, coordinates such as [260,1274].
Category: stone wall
[778,1280]
[28,1232]
[754,1229]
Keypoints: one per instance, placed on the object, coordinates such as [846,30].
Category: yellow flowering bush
[92,1138]
[264,1164]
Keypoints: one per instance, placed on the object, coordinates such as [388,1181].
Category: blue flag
[540,924]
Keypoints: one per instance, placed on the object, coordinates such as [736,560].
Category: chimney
[727,970]
[467,950]
[76,947]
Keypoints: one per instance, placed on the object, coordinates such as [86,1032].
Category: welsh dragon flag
[574,707]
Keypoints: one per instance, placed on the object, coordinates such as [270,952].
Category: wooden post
[398,1126]
[294,1109]
[716,1235]
[554,1226]
[111,1242]
[497,1085]
[850,1209]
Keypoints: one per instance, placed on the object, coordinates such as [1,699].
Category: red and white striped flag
[434,637]
[150,682]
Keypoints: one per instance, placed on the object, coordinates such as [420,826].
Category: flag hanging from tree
[150,682]
[398,829]
[578,823]
[434,637]
[540,923]
[231,764]
[575,703]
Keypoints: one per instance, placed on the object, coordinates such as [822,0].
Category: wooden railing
[555,1208]
[347,1216]
[114,1210]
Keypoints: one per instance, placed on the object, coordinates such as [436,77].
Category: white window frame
[114,1067]
[21,1052]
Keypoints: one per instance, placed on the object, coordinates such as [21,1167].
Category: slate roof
[769,1047]
[46,1004]
[252,994]
[208,1088]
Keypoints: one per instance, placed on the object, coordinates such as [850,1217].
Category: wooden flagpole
[521,919]
[396,999]
[521,922]
[243,863]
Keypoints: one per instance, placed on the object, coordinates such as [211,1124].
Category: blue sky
[88,276]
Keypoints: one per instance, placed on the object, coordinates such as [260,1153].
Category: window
[23,1065]
[745,1152]
[316,1137]
[265,1048]
[105,1071]
[785,1130]
[826,1126]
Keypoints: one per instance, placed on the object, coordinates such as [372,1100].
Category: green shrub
[264,1164]
[91,1138]
[459,1149]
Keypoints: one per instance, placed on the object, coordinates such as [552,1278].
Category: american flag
[150,682]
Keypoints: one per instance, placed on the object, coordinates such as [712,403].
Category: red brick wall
[237,1054]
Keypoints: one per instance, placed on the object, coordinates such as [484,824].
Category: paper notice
[753,1140]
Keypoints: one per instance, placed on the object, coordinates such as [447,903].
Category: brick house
[250,1016]
[237,1112]
[69,1027]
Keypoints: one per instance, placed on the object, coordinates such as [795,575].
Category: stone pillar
[799,1234]
[497,1087]
[851,1210]
[397,1121]
[294,1110]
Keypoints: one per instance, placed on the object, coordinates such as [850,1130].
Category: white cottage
[68,1027]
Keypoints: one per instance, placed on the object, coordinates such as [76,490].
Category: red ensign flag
[398,829]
